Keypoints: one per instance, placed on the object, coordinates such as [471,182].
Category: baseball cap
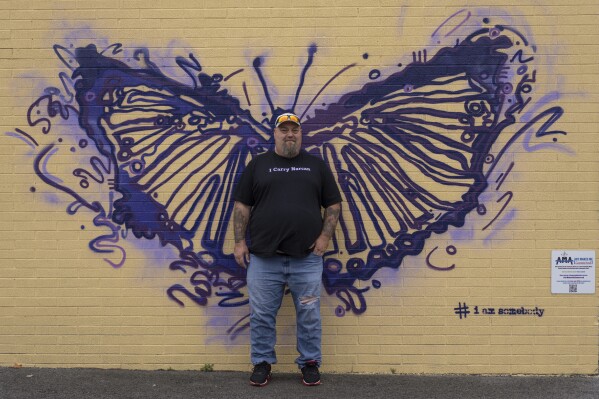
[287,117]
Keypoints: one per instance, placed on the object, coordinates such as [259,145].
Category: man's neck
[288,156]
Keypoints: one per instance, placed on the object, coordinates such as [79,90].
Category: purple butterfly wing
[409,152]
[178,151]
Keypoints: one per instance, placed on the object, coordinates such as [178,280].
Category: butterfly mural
[411,152]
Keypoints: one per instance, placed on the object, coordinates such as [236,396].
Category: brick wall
[459,180]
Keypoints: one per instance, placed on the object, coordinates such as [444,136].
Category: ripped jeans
[266,280]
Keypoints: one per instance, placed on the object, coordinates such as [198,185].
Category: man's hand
[331,216]
[320,245]
[241,216]
[242,254]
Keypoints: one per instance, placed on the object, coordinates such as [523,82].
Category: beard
[290,149]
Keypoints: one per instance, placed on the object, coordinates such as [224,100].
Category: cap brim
[294,122]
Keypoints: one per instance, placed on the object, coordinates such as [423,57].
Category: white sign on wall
[572,272]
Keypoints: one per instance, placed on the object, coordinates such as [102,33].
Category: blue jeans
[266,280]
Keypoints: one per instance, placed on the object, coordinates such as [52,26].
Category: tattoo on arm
[331,216]
[241,216]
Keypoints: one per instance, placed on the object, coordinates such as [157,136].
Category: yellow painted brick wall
[63,305]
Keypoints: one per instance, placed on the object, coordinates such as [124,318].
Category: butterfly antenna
[257,65]
[311,52]
[325,86]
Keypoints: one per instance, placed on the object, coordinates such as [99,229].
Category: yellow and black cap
[287,117]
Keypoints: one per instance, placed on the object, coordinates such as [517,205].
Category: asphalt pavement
[46,383]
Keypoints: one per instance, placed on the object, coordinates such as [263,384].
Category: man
[280,195]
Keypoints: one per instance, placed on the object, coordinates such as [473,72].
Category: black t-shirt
[286,196]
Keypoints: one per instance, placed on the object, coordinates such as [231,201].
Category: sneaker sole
[308,384]
[256,384]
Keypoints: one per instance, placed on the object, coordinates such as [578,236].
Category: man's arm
[331,216]
[241,217]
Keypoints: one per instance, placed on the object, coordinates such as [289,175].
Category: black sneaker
[261,375]
[310,373]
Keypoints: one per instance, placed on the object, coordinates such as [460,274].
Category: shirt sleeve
[330,190]
[243,190]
